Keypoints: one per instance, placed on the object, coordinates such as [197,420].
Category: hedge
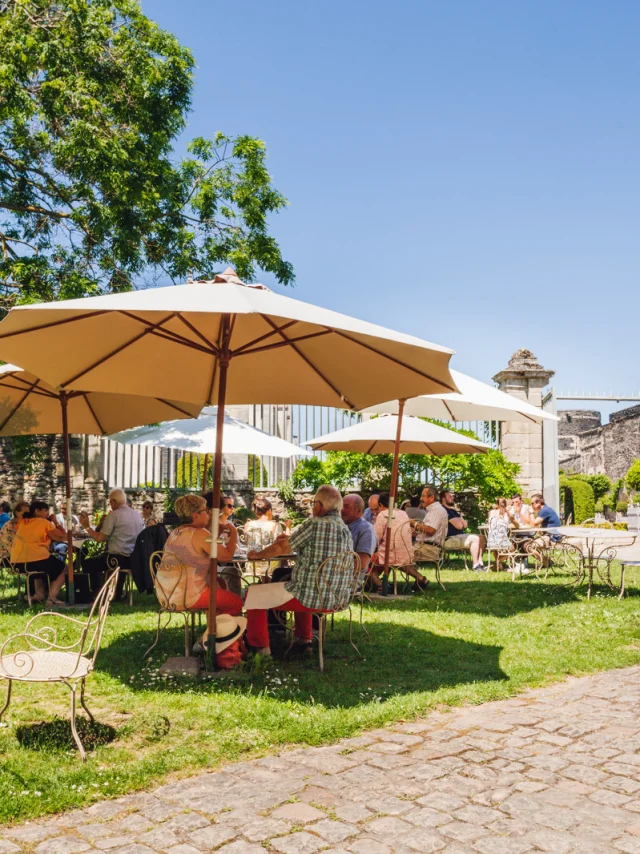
[578,499]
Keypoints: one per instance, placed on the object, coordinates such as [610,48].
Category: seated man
[400,546]
[365,542]
[432,531]
[545,517]
[119,530]
[520,513]
[322,536]
[456,538]
[373,508]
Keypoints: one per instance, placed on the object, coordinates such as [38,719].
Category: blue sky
[463,170]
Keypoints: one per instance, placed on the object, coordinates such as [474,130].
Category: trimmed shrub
[621,507]
[633,476]
[578,499]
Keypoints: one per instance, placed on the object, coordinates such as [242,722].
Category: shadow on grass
[395,659]
[499,598]
[55,736]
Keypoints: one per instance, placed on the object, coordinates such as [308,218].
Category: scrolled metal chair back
[337,580]
[91,637]
[164,592]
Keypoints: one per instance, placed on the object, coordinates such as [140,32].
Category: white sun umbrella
[31,406]
[198,435]
[378,436]
[221,342]
[475,401]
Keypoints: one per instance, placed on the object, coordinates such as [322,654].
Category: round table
[596,545]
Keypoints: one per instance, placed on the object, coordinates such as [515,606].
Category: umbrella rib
[289,342]
[195,331]
[308,362]
[18,405]
[175,406]
[106,358]
[240,350]
[446,406]
[52,323]
[42,392]
[92,411]
[393,359]
[156,329]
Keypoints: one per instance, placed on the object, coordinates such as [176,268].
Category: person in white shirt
[432,530]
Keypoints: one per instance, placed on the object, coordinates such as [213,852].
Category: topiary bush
[633,476]
[622,507]
[577,499]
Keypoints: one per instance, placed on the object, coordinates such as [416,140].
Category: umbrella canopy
[199,435]
[378,436]
[171,343]
[30,405]
[221,342]
[475,401]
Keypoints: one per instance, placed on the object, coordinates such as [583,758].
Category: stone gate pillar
[524,377]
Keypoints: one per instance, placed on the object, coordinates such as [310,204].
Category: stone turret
[524,377]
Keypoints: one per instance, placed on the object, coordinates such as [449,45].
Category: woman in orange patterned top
[183,575]
[30,551]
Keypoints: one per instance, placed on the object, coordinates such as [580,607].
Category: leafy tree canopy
[633,476]
[92,97]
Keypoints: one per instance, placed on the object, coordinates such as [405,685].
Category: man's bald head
[352,508]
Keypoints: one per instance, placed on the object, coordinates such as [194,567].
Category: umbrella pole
[223,363]
[393,493]
[71,587]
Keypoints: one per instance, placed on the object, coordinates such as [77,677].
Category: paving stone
[628,844]
[387,827]
[30,833]
[367,845]
[298,843]
[159,838]
[264,828]
[183,849]
[134,823]
[95,831]
[423,840]
[109,842]
[133,849]
[185,823]
[334,831]
[551,841]
[159,811]
[352,813]
[7,847]
[462,831]
[241,847]
[298,813]
[62,845]
[500,845]
[210,837]
[318,795]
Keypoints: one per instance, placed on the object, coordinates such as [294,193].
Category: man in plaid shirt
[322,536]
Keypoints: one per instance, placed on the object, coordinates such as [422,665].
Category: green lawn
[485,638]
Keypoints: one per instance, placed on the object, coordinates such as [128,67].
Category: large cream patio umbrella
[221,342]
[474,401]
[391,434]
[29,405]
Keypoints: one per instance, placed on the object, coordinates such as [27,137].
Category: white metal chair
[165,594]
[43,653]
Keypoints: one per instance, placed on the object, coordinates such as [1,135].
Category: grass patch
[485,638]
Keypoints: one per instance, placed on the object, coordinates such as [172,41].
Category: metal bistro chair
[164,594]
[337,580]
[19,570]
[43,656]
[437,560]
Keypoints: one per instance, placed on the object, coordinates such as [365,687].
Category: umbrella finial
[230,277]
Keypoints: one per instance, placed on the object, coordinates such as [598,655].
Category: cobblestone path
[556,769]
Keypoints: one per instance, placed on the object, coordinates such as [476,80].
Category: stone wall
[609,449]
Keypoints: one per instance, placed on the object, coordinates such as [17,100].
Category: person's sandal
[51,602]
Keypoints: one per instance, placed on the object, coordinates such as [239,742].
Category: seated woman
[30,550]
[498,530]
[9,529]
[400,545]
[183,574]
[147,514]
[265,528]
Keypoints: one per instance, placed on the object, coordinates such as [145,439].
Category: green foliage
[243,514]
[618,526]
[599,483]
[622,507]
[577,499]
[190,472]
[633,476]
[29,452]
[491,475]
[93,96]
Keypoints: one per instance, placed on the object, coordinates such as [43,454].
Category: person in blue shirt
[365,542]
[372,510]
[5,513]
[546,517]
